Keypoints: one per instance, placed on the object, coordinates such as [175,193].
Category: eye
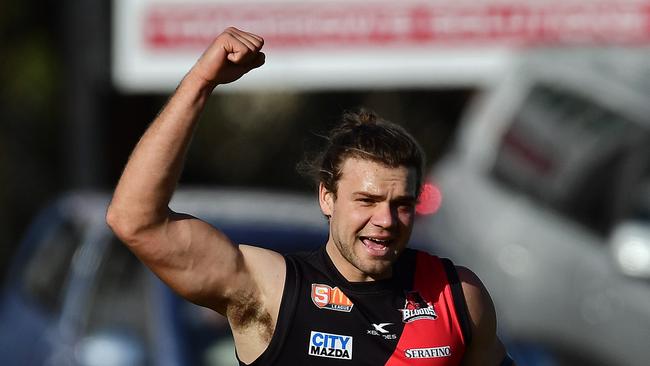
[366,201]
[406,205]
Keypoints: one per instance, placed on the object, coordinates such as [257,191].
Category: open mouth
[376,246]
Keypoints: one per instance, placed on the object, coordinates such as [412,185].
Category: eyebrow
[406,198]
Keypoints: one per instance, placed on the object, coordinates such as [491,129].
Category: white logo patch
[409,315]
[380,330]
[330,345]
[380,327]
[435,352]
[416,308]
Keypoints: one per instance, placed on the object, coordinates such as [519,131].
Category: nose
[384,215]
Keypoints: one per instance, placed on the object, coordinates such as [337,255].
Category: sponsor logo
[326,297]
[380,327]
[435,352]
[380,330]
[416,308]
[330,345]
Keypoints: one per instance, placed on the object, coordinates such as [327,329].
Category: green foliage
[28,74]
[29,114]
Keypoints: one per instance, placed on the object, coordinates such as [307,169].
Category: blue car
[76,296]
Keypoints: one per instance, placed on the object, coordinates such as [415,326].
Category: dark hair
[363,135]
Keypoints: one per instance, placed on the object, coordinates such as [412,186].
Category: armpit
[246,314]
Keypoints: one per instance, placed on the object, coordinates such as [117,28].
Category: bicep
[486,348]
[195,259]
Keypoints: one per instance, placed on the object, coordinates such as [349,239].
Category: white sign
[361,44]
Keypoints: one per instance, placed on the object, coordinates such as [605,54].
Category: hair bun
[359,118]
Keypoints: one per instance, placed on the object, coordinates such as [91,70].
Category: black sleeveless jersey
[417,317]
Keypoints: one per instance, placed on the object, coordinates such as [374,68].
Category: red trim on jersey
[427,341]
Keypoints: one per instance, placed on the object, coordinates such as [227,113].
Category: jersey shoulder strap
[459,299]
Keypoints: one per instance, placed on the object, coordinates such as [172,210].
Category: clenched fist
[232,54]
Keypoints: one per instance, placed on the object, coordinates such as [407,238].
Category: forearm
[143,192]
[142,195]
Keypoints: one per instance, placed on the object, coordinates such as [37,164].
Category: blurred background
[533,116]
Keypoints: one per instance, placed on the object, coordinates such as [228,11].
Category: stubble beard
[378,268]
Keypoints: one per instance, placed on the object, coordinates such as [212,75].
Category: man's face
[371,217]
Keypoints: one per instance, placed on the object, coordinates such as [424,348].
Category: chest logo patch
[381,330]
[434,352]
[416,308]
[325,297]
[330,345]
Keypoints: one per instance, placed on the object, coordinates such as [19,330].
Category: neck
[348,270]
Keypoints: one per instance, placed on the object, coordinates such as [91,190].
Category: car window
[206,335]
[45,272]
[119,308]
[579,158]
[284,240]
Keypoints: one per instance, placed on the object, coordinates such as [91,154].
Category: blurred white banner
[361,44]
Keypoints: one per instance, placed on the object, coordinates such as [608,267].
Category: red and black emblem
[417,308]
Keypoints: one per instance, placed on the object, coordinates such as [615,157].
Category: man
[362,299]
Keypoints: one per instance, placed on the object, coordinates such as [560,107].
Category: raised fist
[232,54]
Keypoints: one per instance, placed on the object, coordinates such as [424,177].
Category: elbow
[119,224]
[125,226]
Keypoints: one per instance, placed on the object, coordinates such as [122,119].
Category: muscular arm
[486,347]
[195,259]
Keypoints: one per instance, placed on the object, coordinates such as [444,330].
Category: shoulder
[267,267]
[260,285]
[479,302]
[485,343]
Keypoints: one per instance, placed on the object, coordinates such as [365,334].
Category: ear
[326,200]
